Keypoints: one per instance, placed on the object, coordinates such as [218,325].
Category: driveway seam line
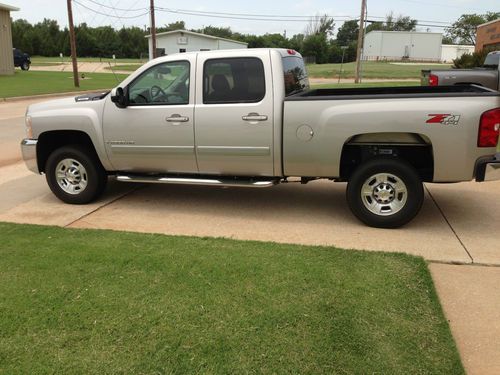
[449,224]
[103,206]
[452,263]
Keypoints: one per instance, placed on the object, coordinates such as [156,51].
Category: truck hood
[65,103]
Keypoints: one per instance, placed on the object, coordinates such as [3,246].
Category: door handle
[254,117]
[177,118]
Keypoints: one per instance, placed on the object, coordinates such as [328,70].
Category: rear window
[233,80]
[296,79]
[492,60]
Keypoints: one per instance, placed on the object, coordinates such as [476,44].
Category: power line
[174,11]
[443,5]
[250,16]
[119,9]
[109,15]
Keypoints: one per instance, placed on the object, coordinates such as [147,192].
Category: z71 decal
[443,118]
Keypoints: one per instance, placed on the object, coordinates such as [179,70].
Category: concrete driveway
[458,221]
[457,225]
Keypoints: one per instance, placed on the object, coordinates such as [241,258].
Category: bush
[470,60]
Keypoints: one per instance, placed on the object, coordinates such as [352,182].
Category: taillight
[291,52]
[489,128]
[433,80]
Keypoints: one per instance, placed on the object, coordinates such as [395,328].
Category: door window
[233,80]
[163,84]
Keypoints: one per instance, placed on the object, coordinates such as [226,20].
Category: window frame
[205,63]
[129,104]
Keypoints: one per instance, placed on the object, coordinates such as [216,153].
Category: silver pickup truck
[488,75]
[247,118]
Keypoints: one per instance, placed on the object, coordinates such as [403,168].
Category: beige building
[179,41]
[6,54]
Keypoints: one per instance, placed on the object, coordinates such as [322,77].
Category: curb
[54,95]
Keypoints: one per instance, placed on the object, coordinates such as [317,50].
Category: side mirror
[119,97]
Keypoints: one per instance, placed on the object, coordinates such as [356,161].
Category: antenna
[111,67]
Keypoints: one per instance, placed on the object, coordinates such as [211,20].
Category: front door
[155,132]
[234,115]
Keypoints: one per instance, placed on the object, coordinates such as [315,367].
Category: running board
[198,181]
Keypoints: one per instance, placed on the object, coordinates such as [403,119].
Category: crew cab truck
[488,75]
[247,118]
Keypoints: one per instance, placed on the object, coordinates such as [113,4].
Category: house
[179,41]
[6,53]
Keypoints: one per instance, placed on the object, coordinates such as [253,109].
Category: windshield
[296,79]
[492,60]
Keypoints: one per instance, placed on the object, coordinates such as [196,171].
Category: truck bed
[394,92]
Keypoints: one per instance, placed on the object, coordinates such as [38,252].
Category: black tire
[398,171]
[25,66]
[94,174]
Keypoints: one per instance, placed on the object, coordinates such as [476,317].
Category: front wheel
[25,66]
[385,193]
[75,175]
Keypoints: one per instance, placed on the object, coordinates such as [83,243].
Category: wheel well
[52,140]
[418,152]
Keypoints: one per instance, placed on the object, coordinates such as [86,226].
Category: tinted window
[166,83]
[236,80]
[492,60]
[296,79]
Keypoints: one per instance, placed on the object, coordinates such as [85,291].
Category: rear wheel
[385,193]
[75,175]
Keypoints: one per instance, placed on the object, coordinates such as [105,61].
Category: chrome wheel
[71,176]
[384,194]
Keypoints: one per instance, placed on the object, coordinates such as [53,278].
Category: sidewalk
[470,297]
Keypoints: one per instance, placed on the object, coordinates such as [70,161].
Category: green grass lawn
[92,302]
[371,69]
[33,83]
[124,67]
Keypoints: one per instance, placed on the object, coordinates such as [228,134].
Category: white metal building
[178,41]
[450,52]
[403,45]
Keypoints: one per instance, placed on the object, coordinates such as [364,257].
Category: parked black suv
[21,59]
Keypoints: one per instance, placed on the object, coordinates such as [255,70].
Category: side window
[166,83]
[233,80]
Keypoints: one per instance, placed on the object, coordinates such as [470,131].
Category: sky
[429,12]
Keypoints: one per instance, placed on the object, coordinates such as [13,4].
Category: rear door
[234,114]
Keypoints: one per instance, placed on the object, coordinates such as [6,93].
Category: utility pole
[72,42]
[361,35]
[152,26]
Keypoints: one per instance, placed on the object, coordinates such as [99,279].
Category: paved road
[458,224]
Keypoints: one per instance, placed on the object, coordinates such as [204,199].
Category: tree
[177,25]
[391,23]
[221,32]
[320,25]
[296,42]
[316,45]
[463,30]
[348,33]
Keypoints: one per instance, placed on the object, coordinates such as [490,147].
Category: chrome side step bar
[207,181]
